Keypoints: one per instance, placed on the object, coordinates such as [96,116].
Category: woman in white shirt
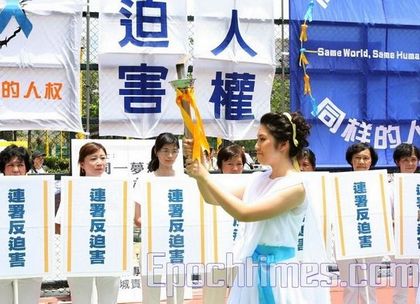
[163,156]
[92,162]
[14,161]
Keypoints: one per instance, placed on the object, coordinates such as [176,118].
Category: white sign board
[26,226]
[97,226]
[362,219]
[318,187]
[407,215]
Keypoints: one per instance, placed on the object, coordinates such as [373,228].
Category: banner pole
[15,292]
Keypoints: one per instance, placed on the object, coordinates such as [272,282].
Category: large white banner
[232,97]
[141,42]
[26,226]
[126,158]
[40,63]
[97,226]
[407,215]
[362,219]
[234,64]
[239,31]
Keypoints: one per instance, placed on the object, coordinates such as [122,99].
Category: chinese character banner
[178,227]
[141,42]
[232,97]
[355,74]
[96,226]
[40,63]
[147,27]
[171,222]
[239,31]
[362,219]
[407,215]
[136,98]
[26,226]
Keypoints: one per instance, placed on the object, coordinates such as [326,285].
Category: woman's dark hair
[11,152]
[88,149]
[161,140]
[359,147]
[308,154]
[280,127]
[229,152]
[405,150]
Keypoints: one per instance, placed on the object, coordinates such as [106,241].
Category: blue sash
[264,256]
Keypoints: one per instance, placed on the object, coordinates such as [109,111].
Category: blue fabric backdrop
[367,64]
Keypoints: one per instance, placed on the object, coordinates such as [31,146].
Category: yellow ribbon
[303,59]
[196,128]
[303,33]
[307,85]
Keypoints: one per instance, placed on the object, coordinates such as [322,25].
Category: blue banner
[361,80]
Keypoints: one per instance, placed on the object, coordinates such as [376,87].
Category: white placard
[362,219]
[406,214]
[97,226]
[318,187]
[26,226]
[172,224]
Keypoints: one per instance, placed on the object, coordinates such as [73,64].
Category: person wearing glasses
[163,156]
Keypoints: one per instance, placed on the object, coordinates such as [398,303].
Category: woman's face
[167,155]
[265,146]
[361,161]
[38,162]
[305,165]
[408,164]
[15,166]
[94,164]
[233,165]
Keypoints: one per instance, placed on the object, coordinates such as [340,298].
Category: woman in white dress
[272,206]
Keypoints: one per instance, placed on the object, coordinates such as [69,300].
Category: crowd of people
[271,209]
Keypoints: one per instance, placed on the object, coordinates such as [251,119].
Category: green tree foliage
[280,95]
